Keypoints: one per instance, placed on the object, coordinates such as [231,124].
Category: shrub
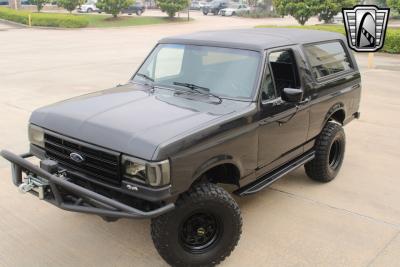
[392,41]
[43,19]
[172,6]
[70,5]
[113,7]
[59,20]
[39,4]
[301,10]
[392,38]
[13,15]
[394,4]
[329,8]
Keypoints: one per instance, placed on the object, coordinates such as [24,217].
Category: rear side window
[327,59]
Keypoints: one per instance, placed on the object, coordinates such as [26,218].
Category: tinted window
[284,70]
[327,58]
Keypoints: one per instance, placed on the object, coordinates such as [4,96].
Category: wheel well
[338,116]
[225,174]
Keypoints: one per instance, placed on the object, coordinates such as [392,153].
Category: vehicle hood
[132,119]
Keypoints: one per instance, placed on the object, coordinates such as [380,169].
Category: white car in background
[89,7]
[338,18]
[234,9]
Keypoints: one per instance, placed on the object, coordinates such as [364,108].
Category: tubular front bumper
[86,200]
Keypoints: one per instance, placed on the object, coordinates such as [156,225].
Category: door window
[284,70]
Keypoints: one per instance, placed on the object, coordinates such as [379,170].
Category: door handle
[305,101]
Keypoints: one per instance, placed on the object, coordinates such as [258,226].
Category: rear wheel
[329,153]
[89,10]
[205,13]
[203,229]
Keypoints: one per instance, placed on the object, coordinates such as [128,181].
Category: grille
[98,163]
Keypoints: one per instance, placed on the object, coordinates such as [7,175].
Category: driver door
[283,125]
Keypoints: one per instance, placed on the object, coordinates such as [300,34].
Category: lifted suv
[240,107]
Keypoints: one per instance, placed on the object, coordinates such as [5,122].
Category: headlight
[36,135]
[151,173]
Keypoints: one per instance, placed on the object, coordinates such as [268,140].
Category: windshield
[224,72]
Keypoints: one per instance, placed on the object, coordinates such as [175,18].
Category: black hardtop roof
[253,39]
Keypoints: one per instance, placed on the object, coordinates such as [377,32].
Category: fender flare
[336,107]
[214,162]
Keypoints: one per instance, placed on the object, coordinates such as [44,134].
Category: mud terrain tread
[317,168]
[198,193]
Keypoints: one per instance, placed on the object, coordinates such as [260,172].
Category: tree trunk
[15,4]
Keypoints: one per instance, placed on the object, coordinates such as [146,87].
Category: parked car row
[234,9]
[90,6]
[225,8]
[197,5]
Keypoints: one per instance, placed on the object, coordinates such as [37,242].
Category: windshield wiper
[198,89]
[145,76]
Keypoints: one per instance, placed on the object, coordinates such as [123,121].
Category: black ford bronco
[239,107]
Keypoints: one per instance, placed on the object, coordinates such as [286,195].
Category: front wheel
[329,153]
[203,229]
[205,13]
[139,12]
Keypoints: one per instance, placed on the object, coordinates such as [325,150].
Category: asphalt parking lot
[352,221]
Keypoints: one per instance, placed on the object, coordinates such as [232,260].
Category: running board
[275,175]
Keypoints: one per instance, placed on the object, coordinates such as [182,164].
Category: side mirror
[292,95]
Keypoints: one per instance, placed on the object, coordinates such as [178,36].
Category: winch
[33,183]
[36,183]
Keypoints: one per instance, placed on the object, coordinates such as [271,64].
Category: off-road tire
[167,231]
[329,153]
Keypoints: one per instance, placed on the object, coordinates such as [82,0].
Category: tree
[172,6]
[327,9]
[394,4]
[113,7]
[301,10]
[70,5]
[39,4]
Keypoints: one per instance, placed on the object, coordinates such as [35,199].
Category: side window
[327,58]
[284,70]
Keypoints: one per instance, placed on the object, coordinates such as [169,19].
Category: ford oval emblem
[76,157]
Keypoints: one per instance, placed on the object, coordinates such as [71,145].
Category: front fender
[216,161]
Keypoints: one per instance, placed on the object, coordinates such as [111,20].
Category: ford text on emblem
[365,27]
[76,157]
